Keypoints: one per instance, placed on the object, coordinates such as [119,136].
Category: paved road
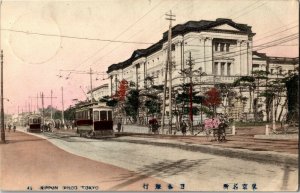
[32,162]
[198,171]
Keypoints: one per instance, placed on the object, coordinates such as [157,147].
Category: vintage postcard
[149,95]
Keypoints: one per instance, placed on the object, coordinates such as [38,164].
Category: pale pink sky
[32,62]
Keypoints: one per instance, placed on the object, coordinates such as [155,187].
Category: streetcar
[94,121]
[35,123]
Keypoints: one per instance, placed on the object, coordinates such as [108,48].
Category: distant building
[99,92]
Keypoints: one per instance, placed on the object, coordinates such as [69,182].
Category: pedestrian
[15,128]
[183,128]
[9,127]
[119,125]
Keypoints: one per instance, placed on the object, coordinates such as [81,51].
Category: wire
[263,46]
[120,34]
[74,37]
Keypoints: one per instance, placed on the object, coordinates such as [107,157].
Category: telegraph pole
[42,96]
[37,102]
[51,106]
[169,62]
[91,83]
[190,63]
[90,72]
[62,101]
[2,97]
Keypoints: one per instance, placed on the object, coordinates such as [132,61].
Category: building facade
[99,92]
[221,51]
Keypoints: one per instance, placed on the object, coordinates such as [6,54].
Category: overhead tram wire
[283,40]
[84,61]
[120,34]
[104,55]
[245,8]
[262,46]
[264,37]
[275,29]
[277,33]
[159,18]
[143,30]
[74,37]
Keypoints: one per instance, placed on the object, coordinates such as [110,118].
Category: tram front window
[109,115]
[96,115]
[103,116]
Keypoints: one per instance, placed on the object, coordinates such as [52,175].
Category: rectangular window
[255,65]
[96,116]
[272,71]
[222,47]
[228,69]
[173,47]
[222,68]
[227,47]
[215,70]
[216,46]
[103,115]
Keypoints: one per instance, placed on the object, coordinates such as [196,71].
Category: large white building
[99,92]
[221,49]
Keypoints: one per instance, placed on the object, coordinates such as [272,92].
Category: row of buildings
[221,52]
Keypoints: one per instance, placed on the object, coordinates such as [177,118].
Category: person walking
[183,128]
[119,125]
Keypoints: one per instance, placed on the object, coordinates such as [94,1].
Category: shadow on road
[163,168]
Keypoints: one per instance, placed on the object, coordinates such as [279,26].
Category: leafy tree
[212,99]
[111,102]
[132,104]
[292,85]
[246,81]
[123,86]
[69,113]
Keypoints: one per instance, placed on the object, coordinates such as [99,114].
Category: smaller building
[98,92]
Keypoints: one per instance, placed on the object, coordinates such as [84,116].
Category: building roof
[182,29]
[99,87]
[276,60]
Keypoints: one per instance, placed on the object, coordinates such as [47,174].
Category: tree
[212,99]
[292,85]
[69,113]
[123,86]
[259,75]
[132,104]
[247,81]
[228,94]
[110,101]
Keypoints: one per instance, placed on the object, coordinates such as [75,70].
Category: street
[198,171]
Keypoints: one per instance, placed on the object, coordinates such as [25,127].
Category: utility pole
[37,102]
[51,106]
[91,83]
[42,96]
[37,97]
[190,63]
[90,72]
[2,97]
[273,113]
[169,62]
[62,101]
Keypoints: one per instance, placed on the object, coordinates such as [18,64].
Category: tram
[94,121]
[35,123]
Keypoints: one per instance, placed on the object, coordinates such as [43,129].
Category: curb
[267,157]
